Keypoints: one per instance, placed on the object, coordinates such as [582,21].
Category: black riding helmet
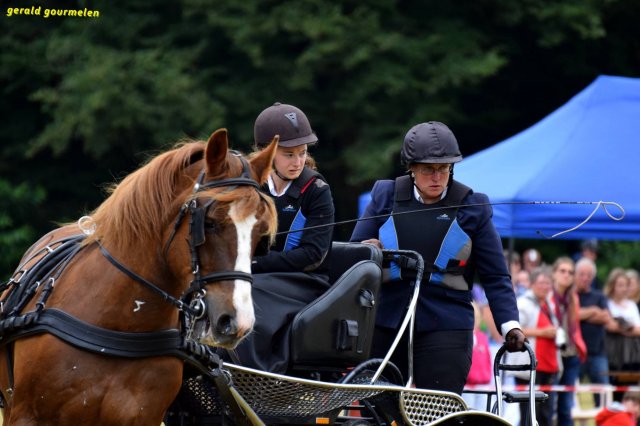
[285,120]
[430,142]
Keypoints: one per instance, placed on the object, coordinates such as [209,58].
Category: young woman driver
[295,271]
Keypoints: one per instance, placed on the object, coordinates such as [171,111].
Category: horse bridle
[197,214]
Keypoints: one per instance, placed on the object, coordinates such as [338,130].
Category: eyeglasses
[430,170]
[565,271]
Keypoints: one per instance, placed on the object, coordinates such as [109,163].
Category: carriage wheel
[383,408]
[363,372]
[357,423]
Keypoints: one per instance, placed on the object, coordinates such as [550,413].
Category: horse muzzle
[224,324]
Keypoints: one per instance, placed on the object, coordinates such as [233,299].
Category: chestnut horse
[186,223]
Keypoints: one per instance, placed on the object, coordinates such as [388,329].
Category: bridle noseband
[197,214]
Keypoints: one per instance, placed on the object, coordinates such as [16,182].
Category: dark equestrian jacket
[306,203]
[457,244]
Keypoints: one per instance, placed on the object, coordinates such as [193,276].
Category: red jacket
[577,333]
[615,416]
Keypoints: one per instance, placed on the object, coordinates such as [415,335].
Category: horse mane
[140,207]
[141,204]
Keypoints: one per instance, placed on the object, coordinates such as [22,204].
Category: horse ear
[262,162]
[216,151]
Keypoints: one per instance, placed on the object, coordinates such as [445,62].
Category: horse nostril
[227,325]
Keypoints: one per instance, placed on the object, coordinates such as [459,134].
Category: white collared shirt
[272,187]
[417,196]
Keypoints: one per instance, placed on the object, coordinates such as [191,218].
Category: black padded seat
[336,329]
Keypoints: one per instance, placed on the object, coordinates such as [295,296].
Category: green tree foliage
[86,100]
[16,205]
[369,70]
[617,254]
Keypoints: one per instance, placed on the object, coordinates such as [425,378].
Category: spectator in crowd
[514,261]
[540,324]
[481,365]
[515,269]
[480,299]
[594,320]
[623,343]
[454,234]
[569,339]
[634,285]
[531,258]
[623,309]
[522,282]
[621,414]
[589,249]
[511,412]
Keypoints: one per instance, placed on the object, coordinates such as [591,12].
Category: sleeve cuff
[508,326]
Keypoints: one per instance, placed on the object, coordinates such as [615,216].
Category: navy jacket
[307,203]
[441,308]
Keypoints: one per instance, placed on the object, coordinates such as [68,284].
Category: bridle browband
[197,214]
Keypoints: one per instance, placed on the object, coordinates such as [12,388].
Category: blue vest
[288,206]
[433,231]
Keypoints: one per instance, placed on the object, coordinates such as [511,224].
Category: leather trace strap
[109,342]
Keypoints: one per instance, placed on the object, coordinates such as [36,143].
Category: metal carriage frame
[368,394]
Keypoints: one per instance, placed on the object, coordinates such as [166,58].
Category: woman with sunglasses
[569,336]
[450,226]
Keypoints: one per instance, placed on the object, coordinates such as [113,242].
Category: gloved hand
[408,267]
[408,274]
[515,340]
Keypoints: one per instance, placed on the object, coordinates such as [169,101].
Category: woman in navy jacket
[450,226]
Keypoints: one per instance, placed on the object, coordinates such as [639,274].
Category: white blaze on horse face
[242,292]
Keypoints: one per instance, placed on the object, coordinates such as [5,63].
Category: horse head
[226,218]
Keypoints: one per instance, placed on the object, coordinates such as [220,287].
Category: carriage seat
[336,329]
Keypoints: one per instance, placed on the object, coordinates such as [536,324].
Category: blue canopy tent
[586,150]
